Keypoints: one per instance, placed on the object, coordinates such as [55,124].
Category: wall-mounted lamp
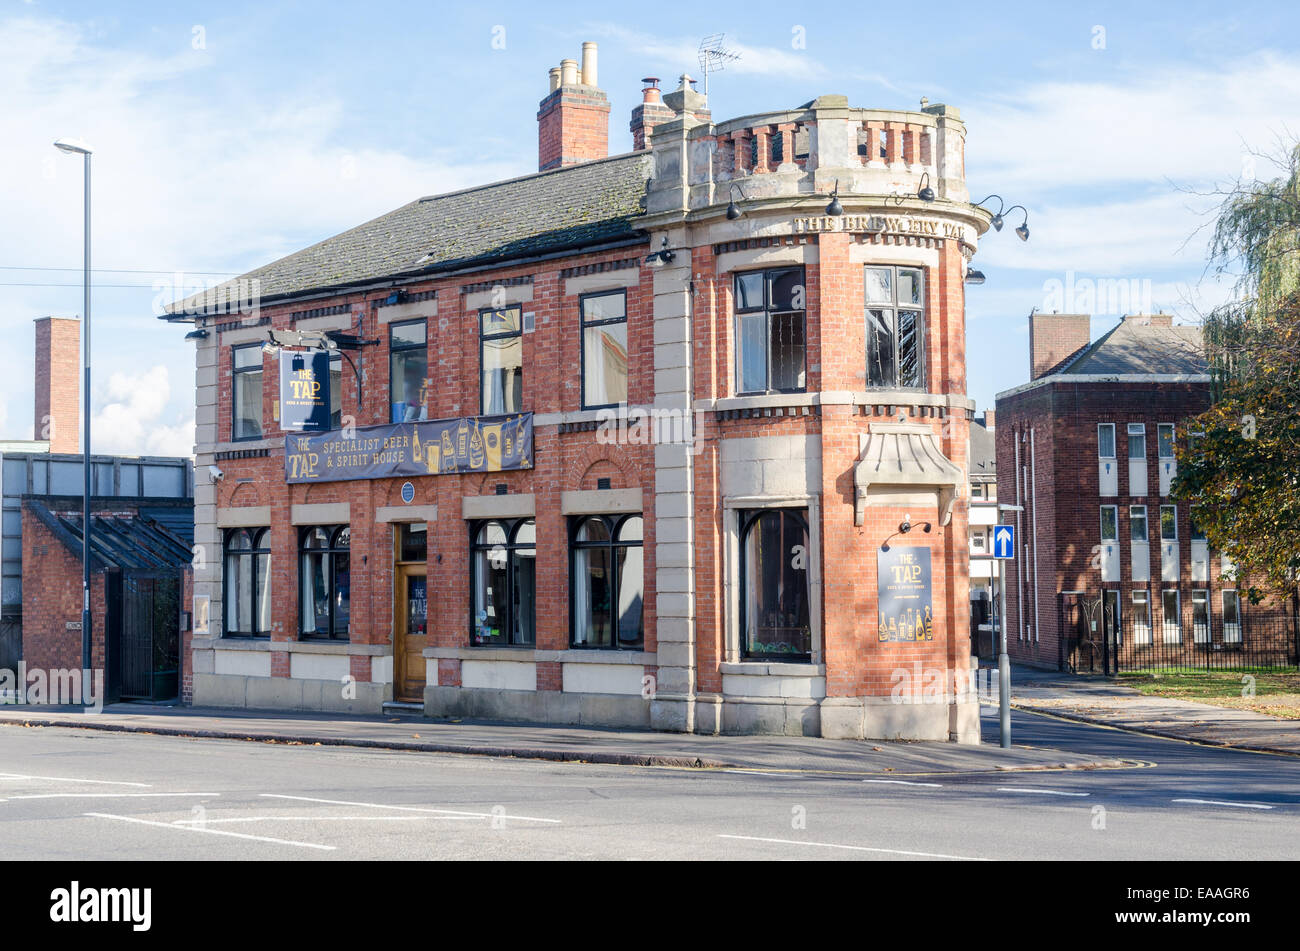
[199,334]
[903,528]
[661,257]
[925,192]
[999,218]
[973,276]
[835,209]
[733,210]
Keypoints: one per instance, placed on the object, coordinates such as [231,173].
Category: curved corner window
[503,580]
[607,582]
[895,313]
[246,582]
[771,344]
[774,591]
[324,572]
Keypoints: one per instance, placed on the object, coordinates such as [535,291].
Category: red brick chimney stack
[649,114]
[58,382]
[1053,337]
[573,119]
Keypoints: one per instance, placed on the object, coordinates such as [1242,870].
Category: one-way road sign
[1004,541]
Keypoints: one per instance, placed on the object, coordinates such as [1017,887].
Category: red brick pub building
[735,398]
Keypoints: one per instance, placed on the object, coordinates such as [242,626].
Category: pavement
[564,743]
[1103,702]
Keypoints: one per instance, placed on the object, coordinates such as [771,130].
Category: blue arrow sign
[1004,541]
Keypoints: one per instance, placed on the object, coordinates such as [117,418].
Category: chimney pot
[573,118]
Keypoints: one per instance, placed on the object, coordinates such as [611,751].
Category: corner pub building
[700,433]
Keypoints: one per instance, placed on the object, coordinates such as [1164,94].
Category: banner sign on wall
[305,391]
[903,586]
[436,447]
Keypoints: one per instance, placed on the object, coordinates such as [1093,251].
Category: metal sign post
[1004,549]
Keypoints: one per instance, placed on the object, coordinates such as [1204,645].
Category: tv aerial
[714,56]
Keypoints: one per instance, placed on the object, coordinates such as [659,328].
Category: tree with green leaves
[1240,465]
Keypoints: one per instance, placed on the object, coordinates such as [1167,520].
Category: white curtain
[581,595]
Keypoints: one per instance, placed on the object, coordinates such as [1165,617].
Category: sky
[229,134]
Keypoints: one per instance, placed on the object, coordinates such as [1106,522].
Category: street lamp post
[77,147]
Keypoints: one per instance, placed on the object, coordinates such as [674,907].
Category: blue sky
[229,134]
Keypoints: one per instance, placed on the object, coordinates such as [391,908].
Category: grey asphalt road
[74,795]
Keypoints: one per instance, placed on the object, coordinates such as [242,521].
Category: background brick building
[1110,571]
[142,505]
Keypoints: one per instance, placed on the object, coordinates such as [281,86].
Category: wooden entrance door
[411,632]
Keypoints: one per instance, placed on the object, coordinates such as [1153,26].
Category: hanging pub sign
[435,447]
[305,391]
[903,587]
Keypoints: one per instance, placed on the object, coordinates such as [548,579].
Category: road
[72,794]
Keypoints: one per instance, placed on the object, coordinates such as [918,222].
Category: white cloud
[195,168]
[1159,123]
[681,54]
[132,417]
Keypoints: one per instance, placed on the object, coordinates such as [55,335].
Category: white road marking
[380,805]
[113,795]
[1219,802]
[1039,792]
[234,835]
[903,782]
[203,822]
[73,779]
[855,848]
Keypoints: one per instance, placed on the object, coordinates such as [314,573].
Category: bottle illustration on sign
[448,452]
[462,442]
[476,456]
[521,428]
[417,452]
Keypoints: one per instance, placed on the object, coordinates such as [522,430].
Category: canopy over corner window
[904,455]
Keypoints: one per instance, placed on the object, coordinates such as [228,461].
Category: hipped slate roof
[983,452]
[589,203]
[1136,347]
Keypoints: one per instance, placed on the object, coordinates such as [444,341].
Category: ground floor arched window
[503,582]
[607,582]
